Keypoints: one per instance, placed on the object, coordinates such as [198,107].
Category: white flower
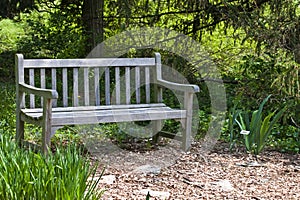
[244,132]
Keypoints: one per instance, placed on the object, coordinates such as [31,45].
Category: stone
[147,169]
[225,185]
[108,179]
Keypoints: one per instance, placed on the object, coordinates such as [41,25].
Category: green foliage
[234,136]
[148,196]
[62,175]
[7,107]
[11,33]
[286,139]
[257,129]
[204,120]
[52,34]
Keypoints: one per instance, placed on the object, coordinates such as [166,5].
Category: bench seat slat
[119,113]
[117,116]
[104,107]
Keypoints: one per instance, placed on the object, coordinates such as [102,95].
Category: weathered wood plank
[75,87]
[65,86]
[107,86]
[127,85]
[20,97]
[178,86]
[97,86]
[43,81]
[53,85]
[102,107]
[118,85]
[147,84]
[75,113]
[47,123]
[46,93]
[187,126]
[88,62]
[158,66]
[31,82]
[86,86]
[137,85]
[35,118]
[117,115]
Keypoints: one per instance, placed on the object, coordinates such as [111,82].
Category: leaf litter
[219,174]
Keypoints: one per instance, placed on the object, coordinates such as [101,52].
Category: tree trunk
[92,18]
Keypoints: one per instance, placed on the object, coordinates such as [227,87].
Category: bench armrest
[178,86]
[46,93]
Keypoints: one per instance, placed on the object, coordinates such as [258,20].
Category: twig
[298,126]
[190,182]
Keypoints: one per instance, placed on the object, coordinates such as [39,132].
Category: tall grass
[29,175]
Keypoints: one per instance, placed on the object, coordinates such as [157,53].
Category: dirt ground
[219,174]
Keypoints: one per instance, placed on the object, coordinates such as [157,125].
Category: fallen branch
[193,183]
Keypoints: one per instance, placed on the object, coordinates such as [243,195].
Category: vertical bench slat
[43,81]
[65,87]
[117,87]
[86,86]
[53,84]
[158,77]
[127,84]
[137,85]
[97,86]
[75,87]
[107,86]
[31,82]
[147,84]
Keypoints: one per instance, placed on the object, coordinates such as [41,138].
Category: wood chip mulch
[219,174]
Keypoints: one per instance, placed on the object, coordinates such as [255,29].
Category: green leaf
[256,119]
[264,128]
[148,196]
[272,123]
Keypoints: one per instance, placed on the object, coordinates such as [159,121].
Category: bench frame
[50,117]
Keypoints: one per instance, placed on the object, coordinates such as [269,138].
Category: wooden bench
[63,92]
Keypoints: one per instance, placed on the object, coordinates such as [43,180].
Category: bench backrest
[91,81]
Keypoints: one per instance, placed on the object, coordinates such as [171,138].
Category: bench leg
[19,130]
[157,126]
[187,134]
[19,122]
[187,126]
[46,140]
[47,125]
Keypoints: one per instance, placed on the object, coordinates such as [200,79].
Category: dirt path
[221,174]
